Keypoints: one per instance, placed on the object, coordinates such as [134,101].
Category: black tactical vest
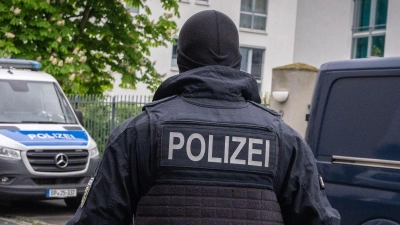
[215,163]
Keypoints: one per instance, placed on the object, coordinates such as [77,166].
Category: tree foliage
[83,42]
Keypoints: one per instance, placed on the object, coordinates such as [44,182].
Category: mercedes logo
[61,160]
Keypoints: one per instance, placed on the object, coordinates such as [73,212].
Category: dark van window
[362,119]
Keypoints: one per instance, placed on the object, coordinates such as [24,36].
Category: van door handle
[381,163]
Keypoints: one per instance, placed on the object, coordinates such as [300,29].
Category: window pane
[245,57]
[174,54]
[246,5]
[259,87]
[37,101]
[381,14]
[134,9]
[378,46]
[371,95]
[361,47]
[245,20]
[261,6]
[174,62]
[259,22]
[256,64]
[364,15]
[174,48]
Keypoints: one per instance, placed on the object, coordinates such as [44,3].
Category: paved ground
[13,221]
[5,221]
[48,212]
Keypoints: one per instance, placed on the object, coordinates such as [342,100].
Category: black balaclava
[208,38]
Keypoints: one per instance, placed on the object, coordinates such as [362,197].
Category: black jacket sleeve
[300,195]
[113,195]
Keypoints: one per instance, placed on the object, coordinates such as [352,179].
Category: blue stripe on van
[48,138]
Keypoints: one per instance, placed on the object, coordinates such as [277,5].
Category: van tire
[72,203]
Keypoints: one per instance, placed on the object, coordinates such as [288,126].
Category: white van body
[45,152]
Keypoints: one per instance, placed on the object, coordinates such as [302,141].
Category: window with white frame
[174,54]
[369,28]
[131,9]
[253,14]
[252,62]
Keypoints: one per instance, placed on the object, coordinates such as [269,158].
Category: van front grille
[54,181]
[58,160]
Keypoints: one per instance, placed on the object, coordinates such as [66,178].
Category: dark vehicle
[354,132]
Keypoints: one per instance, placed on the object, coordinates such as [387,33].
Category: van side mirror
[79,114]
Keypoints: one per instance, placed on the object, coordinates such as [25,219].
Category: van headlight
[8,153]
[93,152]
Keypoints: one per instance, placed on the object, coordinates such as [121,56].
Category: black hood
[216,82]
[208,38]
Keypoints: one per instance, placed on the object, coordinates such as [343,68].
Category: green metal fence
[102,114]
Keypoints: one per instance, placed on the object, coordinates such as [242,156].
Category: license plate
[60,193]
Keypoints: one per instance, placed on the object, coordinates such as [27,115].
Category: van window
[362,119]
[33,102]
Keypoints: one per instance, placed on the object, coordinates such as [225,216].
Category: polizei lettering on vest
[251,147]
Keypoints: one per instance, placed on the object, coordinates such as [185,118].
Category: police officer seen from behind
[205,151]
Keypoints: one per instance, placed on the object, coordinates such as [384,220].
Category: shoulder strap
[273,112]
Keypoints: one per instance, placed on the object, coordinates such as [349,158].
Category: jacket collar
[216,82]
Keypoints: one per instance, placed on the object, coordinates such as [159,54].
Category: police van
[45,153]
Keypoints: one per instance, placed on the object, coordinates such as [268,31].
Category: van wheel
[72,203]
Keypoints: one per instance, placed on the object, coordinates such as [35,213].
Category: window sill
[202,3]
[174,69]
[252,31]
[184,1]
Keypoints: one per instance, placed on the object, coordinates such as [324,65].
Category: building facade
[274,33]
[344,29]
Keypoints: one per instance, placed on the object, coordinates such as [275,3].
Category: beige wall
[298,80]
[323,31]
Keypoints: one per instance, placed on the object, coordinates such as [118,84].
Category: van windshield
[33,102]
